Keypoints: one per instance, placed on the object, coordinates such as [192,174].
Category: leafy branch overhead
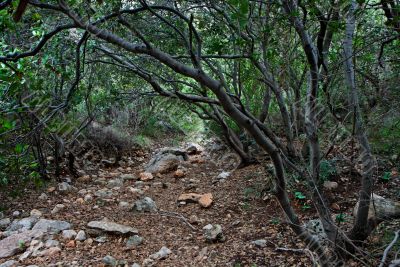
[305,92]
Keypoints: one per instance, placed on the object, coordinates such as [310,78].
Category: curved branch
[227,104]
[156,86]
[381,50]
[15,56]
[45,5]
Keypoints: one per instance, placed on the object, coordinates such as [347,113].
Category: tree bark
[360,231]
[265,107]
[230,108]
[311,120]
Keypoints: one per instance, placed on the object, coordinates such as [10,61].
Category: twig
[386,252]
[179,216]
[175,215]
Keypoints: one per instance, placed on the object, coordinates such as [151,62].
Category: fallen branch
[175,215]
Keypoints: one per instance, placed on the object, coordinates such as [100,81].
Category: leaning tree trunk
[238,115]
[360,231]
[311,120]
[287,123]
[233,140]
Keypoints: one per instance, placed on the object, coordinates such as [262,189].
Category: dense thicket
[298,78]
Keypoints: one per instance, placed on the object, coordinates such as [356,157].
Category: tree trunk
[265,106]
[360,231]
[311,120]
[239,116]
[234,141]
[287,124]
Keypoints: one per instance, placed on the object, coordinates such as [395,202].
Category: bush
[386,139]
[327,170]
[108,138]
[142,141]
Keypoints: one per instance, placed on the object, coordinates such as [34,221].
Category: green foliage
[386,177]
[6,21]
[275,221]
[299,195]
[142,141]
[246,205]
[327,170]
[302,199]
[171,119]
[21,244]
[18,164]
[251,193]
[341,217]
[240,15]
[386,139]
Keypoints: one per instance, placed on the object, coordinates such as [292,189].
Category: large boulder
[18,242]
[380,209]
[166,160]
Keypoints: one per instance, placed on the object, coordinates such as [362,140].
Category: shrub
[108,138]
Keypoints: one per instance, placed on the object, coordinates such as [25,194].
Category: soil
[242,205]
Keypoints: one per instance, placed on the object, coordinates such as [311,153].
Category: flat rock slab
[112,227]
[51,226]
[16,243]
[23,224]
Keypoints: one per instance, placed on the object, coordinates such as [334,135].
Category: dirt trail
[245,213]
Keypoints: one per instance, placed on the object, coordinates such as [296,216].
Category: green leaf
[5,78]
[7,125]
[299,195]
[341,217]
[33,165]
[244,7]
[19,148]
[386,176]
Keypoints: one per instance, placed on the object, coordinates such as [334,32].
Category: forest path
[244,213]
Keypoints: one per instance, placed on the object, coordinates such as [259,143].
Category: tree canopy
[298,79]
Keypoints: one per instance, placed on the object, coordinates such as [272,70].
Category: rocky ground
[167,209]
